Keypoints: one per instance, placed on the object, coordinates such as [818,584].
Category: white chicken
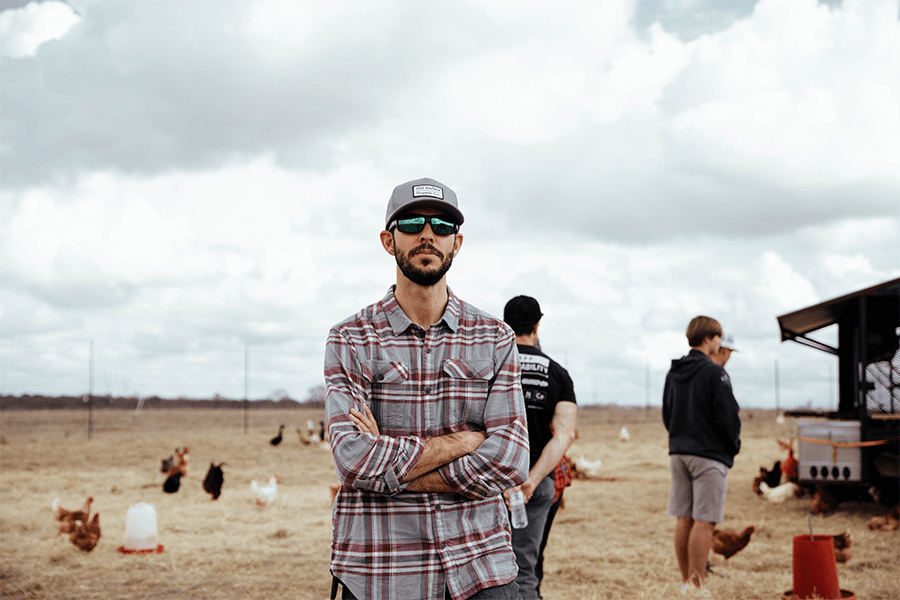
[779,494]
[265,495]
[624,436]
[590,468]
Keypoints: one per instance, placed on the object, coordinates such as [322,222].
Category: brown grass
[613,539]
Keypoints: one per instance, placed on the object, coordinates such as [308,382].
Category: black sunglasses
[416,223]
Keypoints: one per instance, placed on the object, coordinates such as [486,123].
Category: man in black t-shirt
[551,410]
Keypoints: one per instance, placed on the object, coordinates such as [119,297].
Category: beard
[419,275]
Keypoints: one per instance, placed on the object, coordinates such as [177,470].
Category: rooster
[214,480]
[843,548]
[177,471]
[728,543]
[778,495]
[265,495]
[789,466]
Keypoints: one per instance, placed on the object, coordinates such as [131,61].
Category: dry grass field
[613,539]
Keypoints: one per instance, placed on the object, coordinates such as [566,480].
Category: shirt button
[427,433]
[428,390]
[470,374]
[427,350]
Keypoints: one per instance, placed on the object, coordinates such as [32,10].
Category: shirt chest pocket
[466,385]
[390,406]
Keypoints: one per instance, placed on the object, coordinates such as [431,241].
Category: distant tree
[316,395]
[280,394]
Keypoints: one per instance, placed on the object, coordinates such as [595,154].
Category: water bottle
[517,506]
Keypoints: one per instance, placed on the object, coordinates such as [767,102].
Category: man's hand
[365,422]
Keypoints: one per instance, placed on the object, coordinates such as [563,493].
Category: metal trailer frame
[868,324]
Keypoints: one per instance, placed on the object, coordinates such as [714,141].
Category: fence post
[91,391]
[246,401]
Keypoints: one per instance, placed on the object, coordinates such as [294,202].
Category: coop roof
[796,325]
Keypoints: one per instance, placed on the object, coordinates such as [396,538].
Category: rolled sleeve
[363,461]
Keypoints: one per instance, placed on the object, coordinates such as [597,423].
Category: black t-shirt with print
[545,383]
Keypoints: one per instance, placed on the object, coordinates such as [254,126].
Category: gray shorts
[698,488]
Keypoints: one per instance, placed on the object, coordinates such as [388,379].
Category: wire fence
[237,371]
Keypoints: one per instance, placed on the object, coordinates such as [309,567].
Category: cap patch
[428,191]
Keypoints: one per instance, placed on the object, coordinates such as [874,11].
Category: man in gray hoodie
[701,416]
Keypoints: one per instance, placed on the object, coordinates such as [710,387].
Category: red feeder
[815,570]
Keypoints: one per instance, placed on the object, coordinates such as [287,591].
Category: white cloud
[181,179]
[24,30]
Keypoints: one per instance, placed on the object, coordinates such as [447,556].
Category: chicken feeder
[140,530]
[815,570]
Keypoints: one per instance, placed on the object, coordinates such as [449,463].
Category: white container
[140,527]
[517,507]
[825,463]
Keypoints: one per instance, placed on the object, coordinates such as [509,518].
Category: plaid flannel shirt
[462,373]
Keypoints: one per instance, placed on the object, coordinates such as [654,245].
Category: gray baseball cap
[423,192]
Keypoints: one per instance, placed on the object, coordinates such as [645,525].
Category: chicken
[728,543]
[823,502]
[778,495]
[177,471]
[83,533]
[65,519]
[585,469]
[314,437]
[843,547]
[265,495]
[757,480]
[624,436]
[773,476]
[789,466]
[167,463]
[889,523]
[277,439]
[86,535]
[214,480]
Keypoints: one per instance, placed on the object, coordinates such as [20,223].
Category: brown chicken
[843,547]
[823,502]
[888,523]
[65,519]
[83,533]
[86,534]
[727,542]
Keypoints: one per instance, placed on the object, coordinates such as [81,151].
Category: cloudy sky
[192,191]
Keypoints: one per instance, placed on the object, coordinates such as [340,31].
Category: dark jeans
[510,591]
[539,569]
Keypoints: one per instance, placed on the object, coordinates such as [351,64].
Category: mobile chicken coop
[859,444]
